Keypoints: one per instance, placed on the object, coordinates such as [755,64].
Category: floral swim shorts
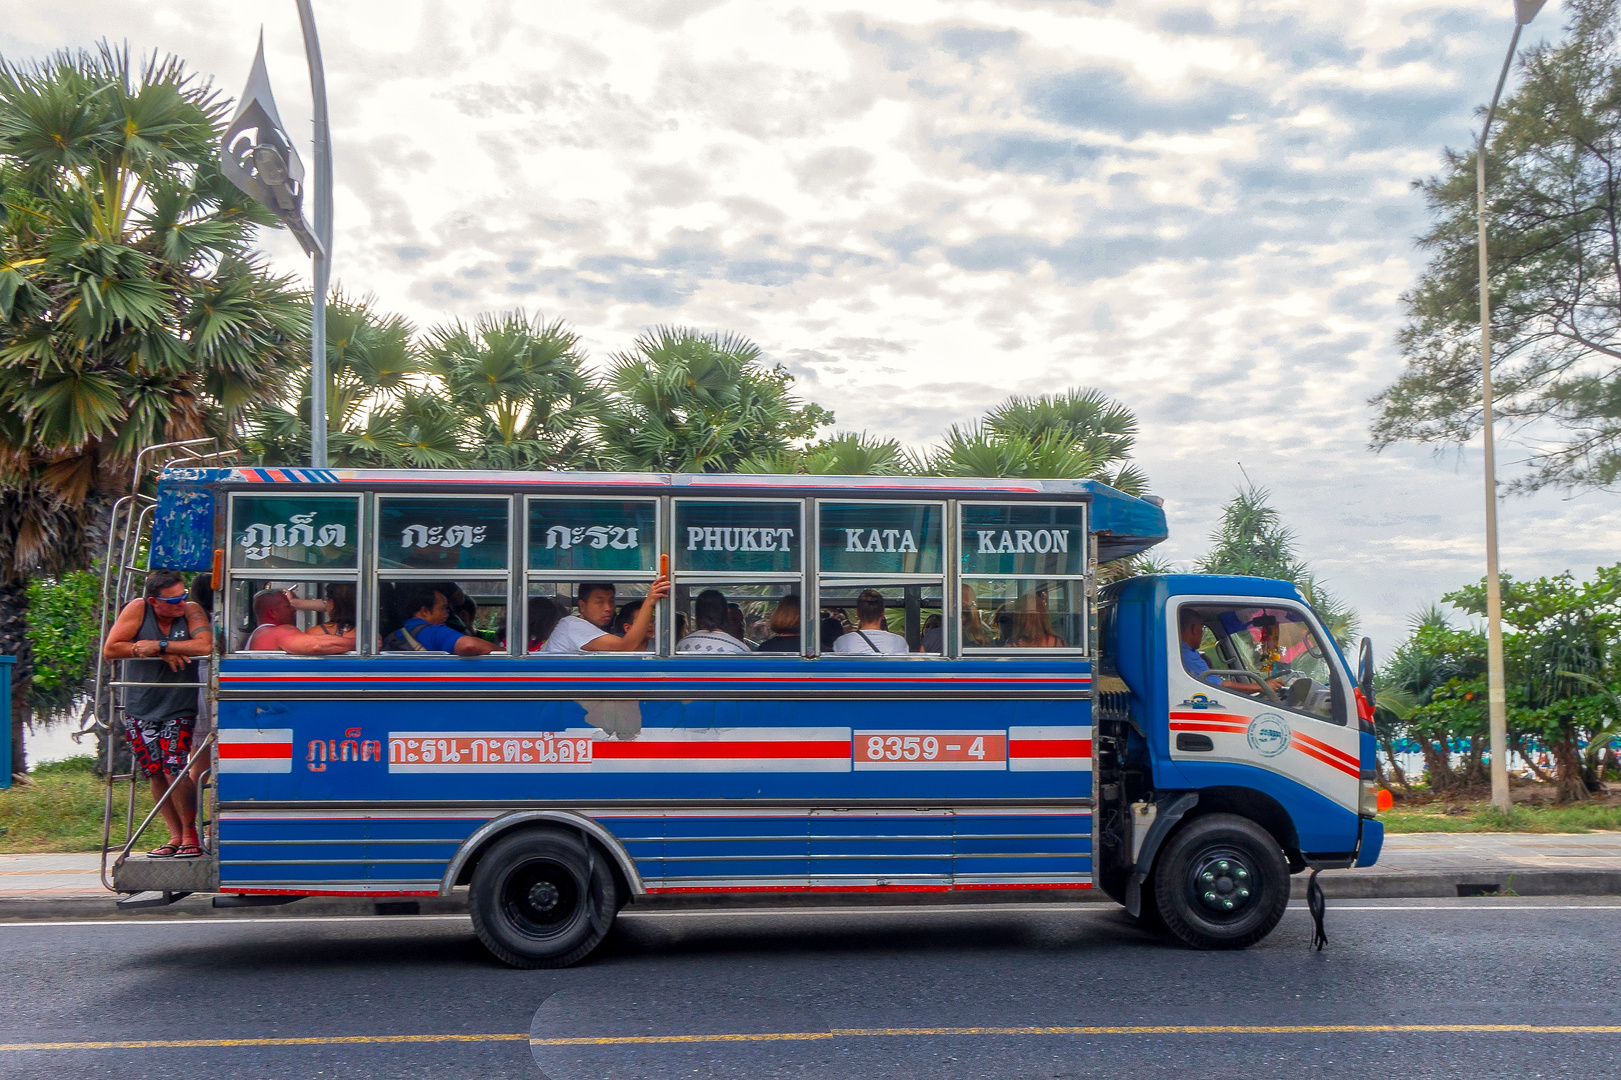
[160,746]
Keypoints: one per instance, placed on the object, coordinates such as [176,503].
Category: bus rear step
[150,899]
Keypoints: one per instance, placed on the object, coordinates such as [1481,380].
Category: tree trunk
[1518,745]
[1438,765]
[1395,768]
[1568,760]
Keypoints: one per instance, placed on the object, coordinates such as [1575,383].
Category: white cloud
[924,206]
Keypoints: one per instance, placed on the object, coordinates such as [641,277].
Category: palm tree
[683,400]
[371,359]
[846,454]
[1251,540]
[522,388]
[131,309]
[1080,434]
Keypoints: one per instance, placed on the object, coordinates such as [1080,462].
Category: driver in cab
[1191,629]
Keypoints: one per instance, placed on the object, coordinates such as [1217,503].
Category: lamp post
[1496,689]
[257,156]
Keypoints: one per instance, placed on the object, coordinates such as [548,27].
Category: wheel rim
[541,898]
[1223,884]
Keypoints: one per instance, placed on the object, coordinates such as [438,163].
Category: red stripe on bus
[870,888]
[1230,717]
[256,750]
[1326,760]
[733,680]
[1056,748]
[1236,729]
[1333,751]
[606,751]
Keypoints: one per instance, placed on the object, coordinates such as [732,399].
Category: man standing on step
[161,637]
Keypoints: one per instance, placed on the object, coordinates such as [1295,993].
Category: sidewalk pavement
[1415,865]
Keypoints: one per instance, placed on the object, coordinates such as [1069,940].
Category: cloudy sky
[922,207]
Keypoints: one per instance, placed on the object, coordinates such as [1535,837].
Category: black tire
[1221,882]
[542,899]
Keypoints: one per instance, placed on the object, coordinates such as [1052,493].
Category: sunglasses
[181,599]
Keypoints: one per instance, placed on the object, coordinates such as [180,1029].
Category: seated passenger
[710,612]
[1031,628]
[829,632]
[278,631]
[784,627]
[734,623]
[339,606]
[544,616]
[625,617]
[934,635]
[425,611]
[1191,629]
[870,638]
[589,630]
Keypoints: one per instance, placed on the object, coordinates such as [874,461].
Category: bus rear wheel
[1221,883]
[542,899]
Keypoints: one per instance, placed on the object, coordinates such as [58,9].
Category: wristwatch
[163,646]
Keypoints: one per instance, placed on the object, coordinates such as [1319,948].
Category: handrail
[156,807]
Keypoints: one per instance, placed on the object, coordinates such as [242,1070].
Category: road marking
[314,1040]
[1178,1029]
[834,1033]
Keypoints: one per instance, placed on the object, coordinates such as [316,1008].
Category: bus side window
[881,576]
[1024,576]
[738,569]
[590,561]
[292,567]
[442,563]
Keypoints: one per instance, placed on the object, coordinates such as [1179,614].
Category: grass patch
[61,810]
[1482,817]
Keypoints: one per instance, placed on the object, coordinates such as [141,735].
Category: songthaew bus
[855,684]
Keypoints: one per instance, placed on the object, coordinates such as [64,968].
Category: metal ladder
[148,882]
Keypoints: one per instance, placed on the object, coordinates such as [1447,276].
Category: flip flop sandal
[188,851]
[164,851]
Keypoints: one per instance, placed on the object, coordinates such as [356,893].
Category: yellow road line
[1181,1029]
[315,1040]
[843,1033]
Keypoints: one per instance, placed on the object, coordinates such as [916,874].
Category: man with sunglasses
[160,637]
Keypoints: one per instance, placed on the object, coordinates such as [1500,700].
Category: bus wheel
[1221,883]
[541,899]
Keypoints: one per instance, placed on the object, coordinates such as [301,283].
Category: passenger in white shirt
[870,638]
[586,631]
[710,612]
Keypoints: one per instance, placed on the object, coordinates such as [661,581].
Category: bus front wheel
[542,899]
[1221,883]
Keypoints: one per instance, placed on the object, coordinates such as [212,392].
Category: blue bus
[925,692]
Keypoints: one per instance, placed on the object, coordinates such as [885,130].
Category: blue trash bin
[6,664]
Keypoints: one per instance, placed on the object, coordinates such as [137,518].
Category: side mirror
[1364,670]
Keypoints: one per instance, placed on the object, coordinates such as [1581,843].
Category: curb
[1435,884]
[1337,885]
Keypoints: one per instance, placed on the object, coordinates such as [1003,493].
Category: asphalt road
[887,993]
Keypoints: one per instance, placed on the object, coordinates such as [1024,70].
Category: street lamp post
[1496,689]
[257,156]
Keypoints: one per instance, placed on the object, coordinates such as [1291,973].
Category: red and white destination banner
[266,750]
[726,750]
[930,750]
[569,751]
[1049,749]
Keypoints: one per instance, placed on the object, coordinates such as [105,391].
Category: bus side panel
[993,789]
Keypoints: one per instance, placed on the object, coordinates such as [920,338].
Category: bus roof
[1124,523]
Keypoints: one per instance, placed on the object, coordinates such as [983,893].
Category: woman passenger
[784,627]
[340,611]
[1030,627]
[544,615]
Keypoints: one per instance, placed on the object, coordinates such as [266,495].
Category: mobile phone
[664,565]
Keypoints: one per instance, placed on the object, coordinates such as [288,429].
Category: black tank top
[157,703]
